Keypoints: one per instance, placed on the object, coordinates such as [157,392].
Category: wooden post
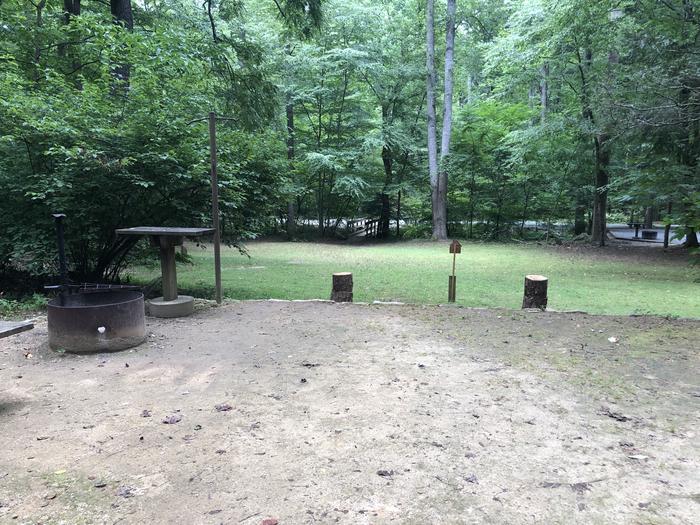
[215,206]
[535,292]
[455,248]
[167,267]
[342,287]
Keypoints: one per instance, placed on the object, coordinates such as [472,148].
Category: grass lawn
[614,281]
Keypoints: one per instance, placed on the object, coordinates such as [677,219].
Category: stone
[182,306]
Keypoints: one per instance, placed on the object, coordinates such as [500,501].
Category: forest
[468,119]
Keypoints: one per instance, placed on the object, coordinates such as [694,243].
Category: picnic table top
[8,328]
[175,231]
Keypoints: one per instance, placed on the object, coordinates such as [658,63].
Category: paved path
[627,234]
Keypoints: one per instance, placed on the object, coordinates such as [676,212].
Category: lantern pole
[215,206]
[455,248]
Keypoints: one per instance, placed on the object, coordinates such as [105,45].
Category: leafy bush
[77,141]
[17,307]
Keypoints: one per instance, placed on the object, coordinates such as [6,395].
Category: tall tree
[441,225]
[438,170]
[432,124]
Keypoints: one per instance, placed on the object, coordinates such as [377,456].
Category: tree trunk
[37,47]
[398,214]
[388,163]
[667,228]
[470,89]
[71,8]
[121,12]
[544,93]
[122,15]
[579,220]
[291,215]
[600,195]
[430,99]
[649,213]
[440,228]
[535,295]
[691,238]
[342,287]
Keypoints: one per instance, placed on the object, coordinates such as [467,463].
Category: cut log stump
[535,292]
[342,287]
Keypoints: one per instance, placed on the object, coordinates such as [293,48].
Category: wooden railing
[371,228]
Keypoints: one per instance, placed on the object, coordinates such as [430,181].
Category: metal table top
[175,231]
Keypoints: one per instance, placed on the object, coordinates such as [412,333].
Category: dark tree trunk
[385,213]
[121,12]
[438,219]
[291,215]
[388,163]
[667,228]
[71,8]
[342,287]
[398,214]
[649,213]
[37,47]
[691,238]
[544,93]
[122,15]
[579,220]
[600,196]
[535,295]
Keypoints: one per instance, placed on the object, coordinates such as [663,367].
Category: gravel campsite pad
[310,412]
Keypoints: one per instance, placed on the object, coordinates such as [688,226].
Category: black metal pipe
[58,219]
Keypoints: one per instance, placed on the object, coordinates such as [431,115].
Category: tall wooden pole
[215,205]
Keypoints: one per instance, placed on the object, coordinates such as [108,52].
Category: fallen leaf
[385,473]
[223,407]
[171,420]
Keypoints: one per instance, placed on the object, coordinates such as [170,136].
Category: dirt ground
[310,412]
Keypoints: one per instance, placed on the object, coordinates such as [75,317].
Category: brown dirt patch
[322,413]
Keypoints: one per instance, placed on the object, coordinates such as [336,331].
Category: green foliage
[326,102]
[12,308]
[75,141]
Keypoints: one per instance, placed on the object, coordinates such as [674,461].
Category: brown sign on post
[455,248]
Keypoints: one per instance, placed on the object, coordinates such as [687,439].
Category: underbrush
[18,307]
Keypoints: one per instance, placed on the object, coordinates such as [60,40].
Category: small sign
[455,247]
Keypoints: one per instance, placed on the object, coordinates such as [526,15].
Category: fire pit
[101,321]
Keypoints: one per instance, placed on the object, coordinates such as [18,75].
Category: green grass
[488,275]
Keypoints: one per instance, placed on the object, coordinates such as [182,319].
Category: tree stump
[535,292]
[342,287]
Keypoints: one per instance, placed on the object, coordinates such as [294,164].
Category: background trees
[565,112]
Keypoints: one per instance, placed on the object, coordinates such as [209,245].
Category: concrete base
[180,307]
